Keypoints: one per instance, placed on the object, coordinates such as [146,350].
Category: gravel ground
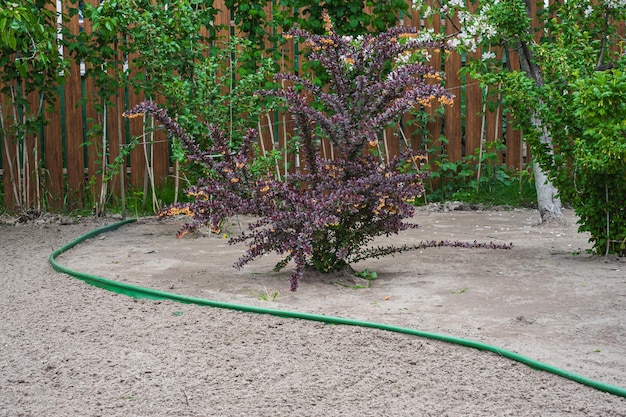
[69,349]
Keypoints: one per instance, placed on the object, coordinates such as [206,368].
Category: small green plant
[367,274]
[266,295]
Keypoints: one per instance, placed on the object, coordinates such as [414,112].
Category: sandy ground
[69,349]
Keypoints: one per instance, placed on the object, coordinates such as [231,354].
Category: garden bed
[546,298]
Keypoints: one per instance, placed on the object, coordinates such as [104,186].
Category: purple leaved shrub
[326,216]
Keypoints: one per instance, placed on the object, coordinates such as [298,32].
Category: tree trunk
[548,202]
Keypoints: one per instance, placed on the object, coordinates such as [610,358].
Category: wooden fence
[64,171]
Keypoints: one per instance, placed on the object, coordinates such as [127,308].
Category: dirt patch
[68,348]
[546,298]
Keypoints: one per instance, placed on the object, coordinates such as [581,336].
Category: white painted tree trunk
[548,202]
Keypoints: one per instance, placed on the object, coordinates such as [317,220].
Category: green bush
[598,155]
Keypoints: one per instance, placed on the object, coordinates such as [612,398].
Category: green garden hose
[140,292]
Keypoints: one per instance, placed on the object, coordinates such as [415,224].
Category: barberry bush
[326,216]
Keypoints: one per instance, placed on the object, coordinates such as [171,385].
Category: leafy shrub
[326,216]
[599,188]
[584,98]
[477,178]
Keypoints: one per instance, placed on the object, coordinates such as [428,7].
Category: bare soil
[67,348]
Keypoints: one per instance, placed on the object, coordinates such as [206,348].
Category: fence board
[74,153]
[473,115]
[136,126]
[8,152]
[116,131]
[473,104]
[53,150]
[434,125]
[513,137]
[452,119]
[30,154]
[411,131]
[53,158]
[94,118]
[493,119]
[290,162]
[222,20]
[160,154]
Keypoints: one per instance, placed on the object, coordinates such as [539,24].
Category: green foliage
[599,158]
[478,178]
[600,105]
[135,198]
[162,44]
[265,294]
[220,92]
[30,66]
[367,274]
[513,21]
[29,45]
[251,19]
[173,55]
[568,99]
[353,17]
[350,18]
[586,99]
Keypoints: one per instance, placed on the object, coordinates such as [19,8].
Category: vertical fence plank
[391,141]
[53,149]
[30,154]
[290,62]
[94,118]
[493,119]
[160,153]
[411,132]
[116,131]
[453,116]
[513,136]
[289,162]
[53,158]
[434,125]
[473,115]
[473,103]
[9,171]
[408,128]
[136,126]
[222,20]
[620,29]
[74,154]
